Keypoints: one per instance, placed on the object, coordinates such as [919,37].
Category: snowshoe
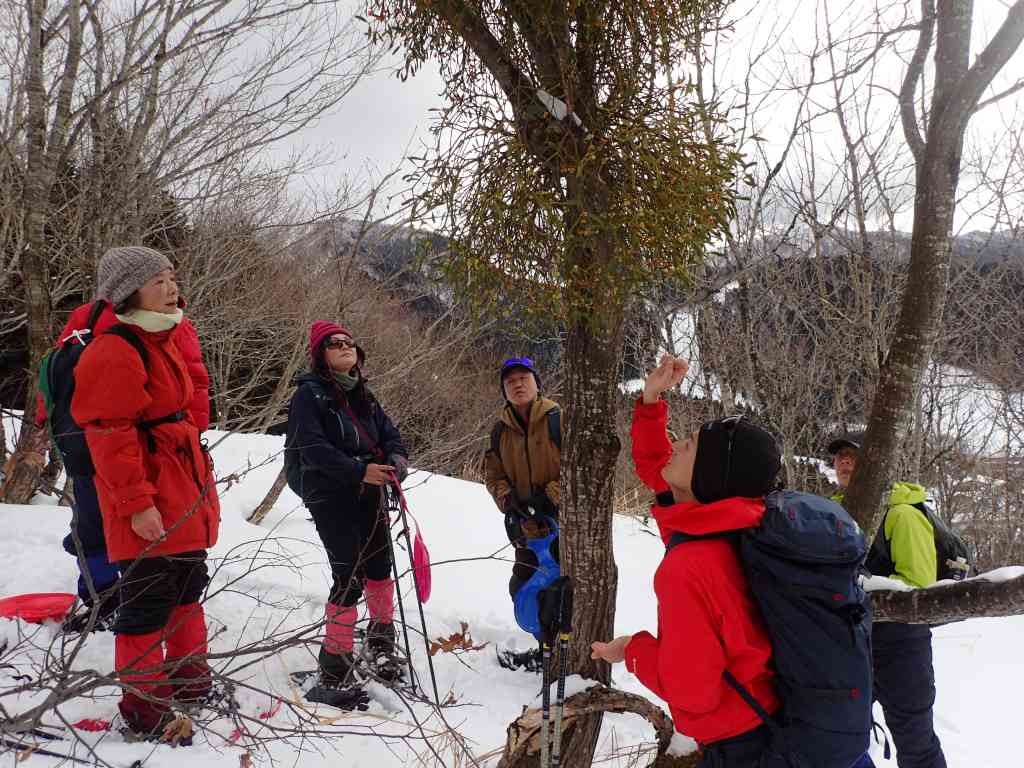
[528,661]
[348,697]
[338,682]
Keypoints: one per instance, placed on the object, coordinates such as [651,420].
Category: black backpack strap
[90,324]
[147,426]
[755,705]
[124,331]
[496,433]
[555,426]
[97,309]
[679,537]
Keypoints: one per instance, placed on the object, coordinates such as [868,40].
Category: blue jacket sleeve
[310,439]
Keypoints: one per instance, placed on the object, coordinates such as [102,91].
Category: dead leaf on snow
[457,641]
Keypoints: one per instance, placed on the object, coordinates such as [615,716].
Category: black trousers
[905,687]
[356,534]
[743,751]
[152,587]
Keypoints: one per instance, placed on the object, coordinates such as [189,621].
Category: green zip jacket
[910,535]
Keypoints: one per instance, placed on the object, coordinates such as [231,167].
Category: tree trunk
[588,471]
[916,331]
[27,463]
[958,86]
[270,499]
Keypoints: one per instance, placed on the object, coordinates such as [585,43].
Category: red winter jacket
[114,391]
[707,620]
[185,338]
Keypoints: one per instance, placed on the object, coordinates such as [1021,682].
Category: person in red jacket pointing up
[708,624]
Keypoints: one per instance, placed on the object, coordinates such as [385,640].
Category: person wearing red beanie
[347,448]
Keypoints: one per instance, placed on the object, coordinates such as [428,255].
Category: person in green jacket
[903,549]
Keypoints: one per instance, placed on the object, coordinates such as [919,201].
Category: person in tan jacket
[522,464]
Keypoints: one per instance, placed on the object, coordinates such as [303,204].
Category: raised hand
[669,373]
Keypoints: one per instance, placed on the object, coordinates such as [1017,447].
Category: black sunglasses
[340,344]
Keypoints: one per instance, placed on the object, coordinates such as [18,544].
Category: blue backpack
[802,563]
[527,598]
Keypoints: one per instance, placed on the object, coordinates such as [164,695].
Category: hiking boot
[380,638]
[381,653]
[146,717]
[337,669]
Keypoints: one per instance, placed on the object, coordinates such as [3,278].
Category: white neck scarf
[154,322]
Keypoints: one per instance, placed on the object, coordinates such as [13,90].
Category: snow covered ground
[271,579]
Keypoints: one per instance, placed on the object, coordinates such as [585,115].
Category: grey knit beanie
[122,271]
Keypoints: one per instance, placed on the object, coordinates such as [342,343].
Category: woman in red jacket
[155,485]
[86,520]
[708,623]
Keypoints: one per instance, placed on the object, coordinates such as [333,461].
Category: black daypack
[57,386]
[554,431]
[953,558]
[292,454]
[802,564]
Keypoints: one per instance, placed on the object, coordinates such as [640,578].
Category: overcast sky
[383,118]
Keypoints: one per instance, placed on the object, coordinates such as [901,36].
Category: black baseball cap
[846,440]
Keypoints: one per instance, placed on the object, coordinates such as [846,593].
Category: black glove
[401,465]
[542,505]
[513,519]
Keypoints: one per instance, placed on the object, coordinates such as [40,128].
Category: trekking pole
[386,510]
[564,633]
[545,707]
[403,509]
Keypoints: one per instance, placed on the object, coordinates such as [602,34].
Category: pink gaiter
[340,630]
[380,600]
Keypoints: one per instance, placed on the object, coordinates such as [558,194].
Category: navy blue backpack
[802,563]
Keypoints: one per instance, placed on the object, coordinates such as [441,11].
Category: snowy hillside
[271,580]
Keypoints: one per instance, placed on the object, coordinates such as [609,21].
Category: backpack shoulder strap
[754,704]
[679,537]
[94,315]
[555,426]
[125,332]
[496,432]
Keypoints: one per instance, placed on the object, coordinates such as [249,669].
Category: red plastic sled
[37,607]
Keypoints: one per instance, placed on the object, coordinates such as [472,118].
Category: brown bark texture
[522,749]
[947,603]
